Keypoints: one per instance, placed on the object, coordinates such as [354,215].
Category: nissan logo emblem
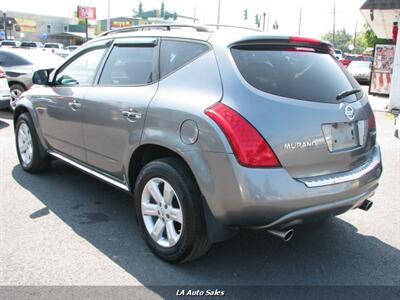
[349,112]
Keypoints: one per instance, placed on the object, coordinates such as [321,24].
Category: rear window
[28,44]
[302,75]
[5,43]
[52,46]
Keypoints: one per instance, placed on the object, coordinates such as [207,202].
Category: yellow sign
[26,25]
[117,24]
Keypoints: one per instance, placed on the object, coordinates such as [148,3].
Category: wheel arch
[13,81]
[147,152]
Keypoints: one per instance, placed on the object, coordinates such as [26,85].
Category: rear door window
[302,75]
[174,54]
[129,65]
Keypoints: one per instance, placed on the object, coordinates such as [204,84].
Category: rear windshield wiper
[347,93]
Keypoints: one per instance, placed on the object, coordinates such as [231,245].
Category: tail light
[249,147]
[371,122]
[2,73]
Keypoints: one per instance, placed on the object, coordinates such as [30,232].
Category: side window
[82,70]
[129,65]
[15,60]
[174,54]
[3,60]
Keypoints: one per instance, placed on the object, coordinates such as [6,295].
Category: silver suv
[210,130]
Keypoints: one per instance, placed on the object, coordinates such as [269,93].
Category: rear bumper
[271,198]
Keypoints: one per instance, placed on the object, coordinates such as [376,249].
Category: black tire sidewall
[17,86]
[191,219]
[25,118]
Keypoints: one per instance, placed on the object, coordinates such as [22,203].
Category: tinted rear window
[300,75]
[8,43]
[175,54]
[52,46]
[28,44]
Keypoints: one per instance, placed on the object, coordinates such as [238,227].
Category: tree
[140,9]
[342,39]
[162,11]
[367,38]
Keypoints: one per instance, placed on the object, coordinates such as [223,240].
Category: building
[33,27]
[383,16]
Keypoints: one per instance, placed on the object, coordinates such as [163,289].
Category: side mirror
[41,77]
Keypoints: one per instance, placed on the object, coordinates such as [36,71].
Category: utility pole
[86,29]
[219,13]
[194,14]
[108,17]
[264,14]
[334,23]
[4,25]
[301,10]
[334,12]
[355,37]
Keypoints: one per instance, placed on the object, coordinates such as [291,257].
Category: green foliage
[342,39]
[368,38]
[364,39]
[140,9]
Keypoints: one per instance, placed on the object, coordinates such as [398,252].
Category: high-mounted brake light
[300,49]
[299,39]
[249,147]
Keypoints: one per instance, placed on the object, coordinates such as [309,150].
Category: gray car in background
[361,71]
[20,64]
[210,130]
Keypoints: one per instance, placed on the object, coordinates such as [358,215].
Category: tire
[39,161]
[16,90]
[192,241]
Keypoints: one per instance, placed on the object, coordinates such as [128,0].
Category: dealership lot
[66,228]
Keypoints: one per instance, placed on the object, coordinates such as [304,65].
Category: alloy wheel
[162,212]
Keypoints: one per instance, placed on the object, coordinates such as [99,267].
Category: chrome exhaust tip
[366,205]
[285,235]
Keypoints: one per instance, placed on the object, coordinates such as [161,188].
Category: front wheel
[16,90]
[169,211]
[29,149]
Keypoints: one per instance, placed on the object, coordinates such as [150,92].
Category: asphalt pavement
[64,227]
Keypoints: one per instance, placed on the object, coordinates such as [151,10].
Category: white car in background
[397,126]
[56,48]
[5,95]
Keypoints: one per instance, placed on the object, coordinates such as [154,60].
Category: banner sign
[119,24]
[382,70]
[25,25]
[85,12]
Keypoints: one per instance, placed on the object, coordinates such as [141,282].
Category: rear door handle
[75,105]
[131,115]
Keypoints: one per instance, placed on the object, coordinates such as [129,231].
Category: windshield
[53,46]
[300,75]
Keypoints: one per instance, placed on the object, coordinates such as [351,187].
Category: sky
[317,18]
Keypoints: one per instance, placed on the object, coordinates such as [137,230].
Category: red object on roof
[395,31]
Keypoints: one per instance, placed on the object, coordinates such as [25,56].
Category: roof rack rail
[233,26]
[198,28]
